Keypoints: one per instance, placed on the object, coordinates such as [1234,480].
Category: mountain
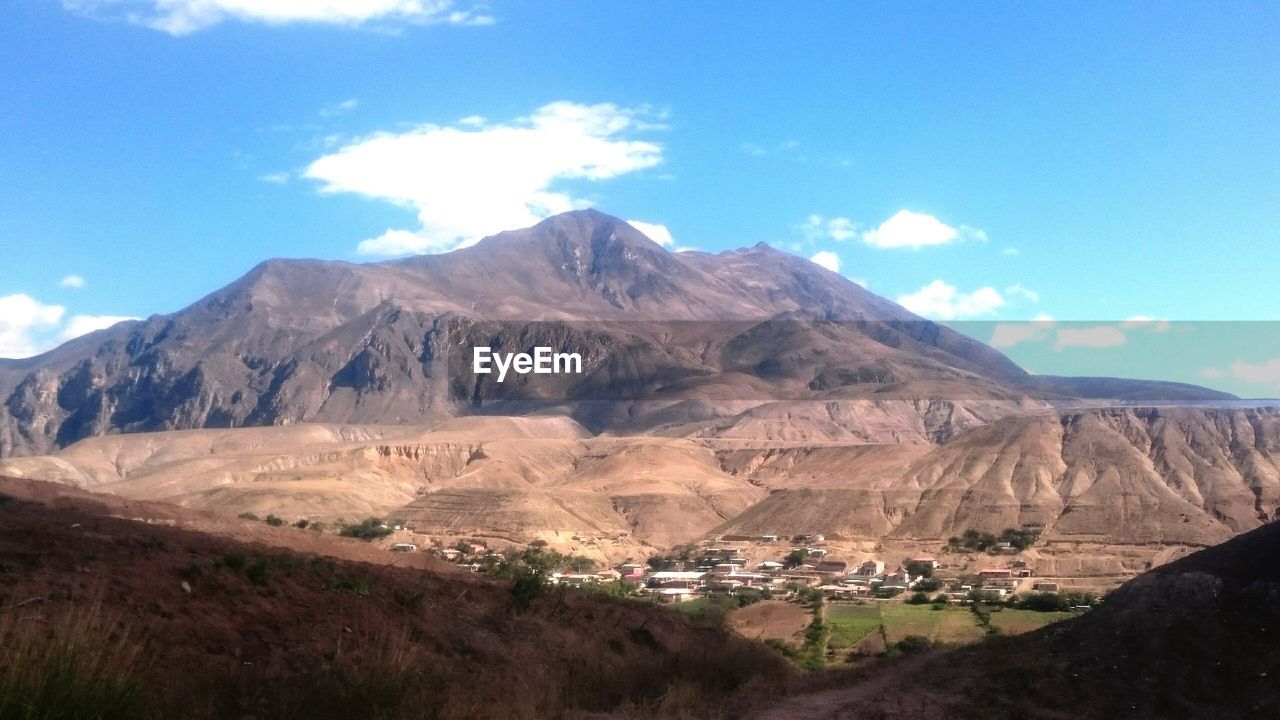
[668,339]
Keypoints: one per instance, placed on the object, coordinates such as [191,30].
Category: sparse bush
[234,561]
[274,520]
[367,529]
[302,523]
[918,599]
[247,516]
[258,572]
[354,585]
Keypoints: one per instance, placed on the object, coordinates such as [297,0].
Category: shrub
[529,585]
[274,520]
[918,599]
[354,585]
[913,644]
[247,516]
[367,529]
[257,572]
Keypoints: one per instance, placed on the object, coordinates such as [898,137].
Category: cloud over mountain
[474,178]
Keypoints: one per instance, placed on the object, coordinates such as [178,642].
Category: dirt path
[832,704]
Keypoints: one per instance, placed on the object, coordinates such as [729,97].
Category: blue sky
[997,162]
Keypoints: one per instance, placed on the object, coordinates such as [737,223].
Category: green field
[1016,622]
[851,624]
[951,625]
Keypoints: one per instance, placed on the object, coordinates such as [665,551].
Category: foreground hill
[669,340]
[1198,638]
[123,620]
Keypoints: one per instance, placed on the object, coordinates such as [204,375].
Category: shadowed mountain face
[667,339]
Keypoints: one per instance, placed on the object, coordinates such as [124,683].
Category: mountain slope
[305,340]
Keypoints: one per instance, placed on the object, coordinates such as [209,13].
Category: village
[800,564]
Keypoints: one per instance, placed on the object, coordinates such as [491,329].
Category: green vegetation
[367,529]
[795,558]
[918,598]
[1018,538]
[274,520]
[813,653]
[529,585]
[1054,602]
[922,569]
[247,516]
[947,626]
[1010,621]
[851,624]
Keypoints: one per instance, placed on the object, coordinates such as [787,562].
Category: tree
[795,558]
[918,599]
[923,569]
[929,584]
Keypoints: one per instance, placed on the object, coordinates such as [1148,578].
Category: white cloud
[1017,290]
[22,320]
[827,259]
[345,106]
[29,327]
[916,230]
[817,227]
[1267,373]
[84,324]
[470,180]
[275,178]
[942,301]
[655,232]
[1006,335]
[861,282]
[1211,373]
[1144,322]
[72,281]
[182,17]
[1102,336]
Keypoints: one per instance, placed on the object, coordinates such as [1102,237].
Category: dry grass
[79,666]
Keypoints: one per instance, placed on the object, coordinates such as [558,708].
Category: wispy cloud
[471,179]
[340,108]
[73,281]
[1007,335]
[1101,336]
[816,228]
[183,17]
[1266,373]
